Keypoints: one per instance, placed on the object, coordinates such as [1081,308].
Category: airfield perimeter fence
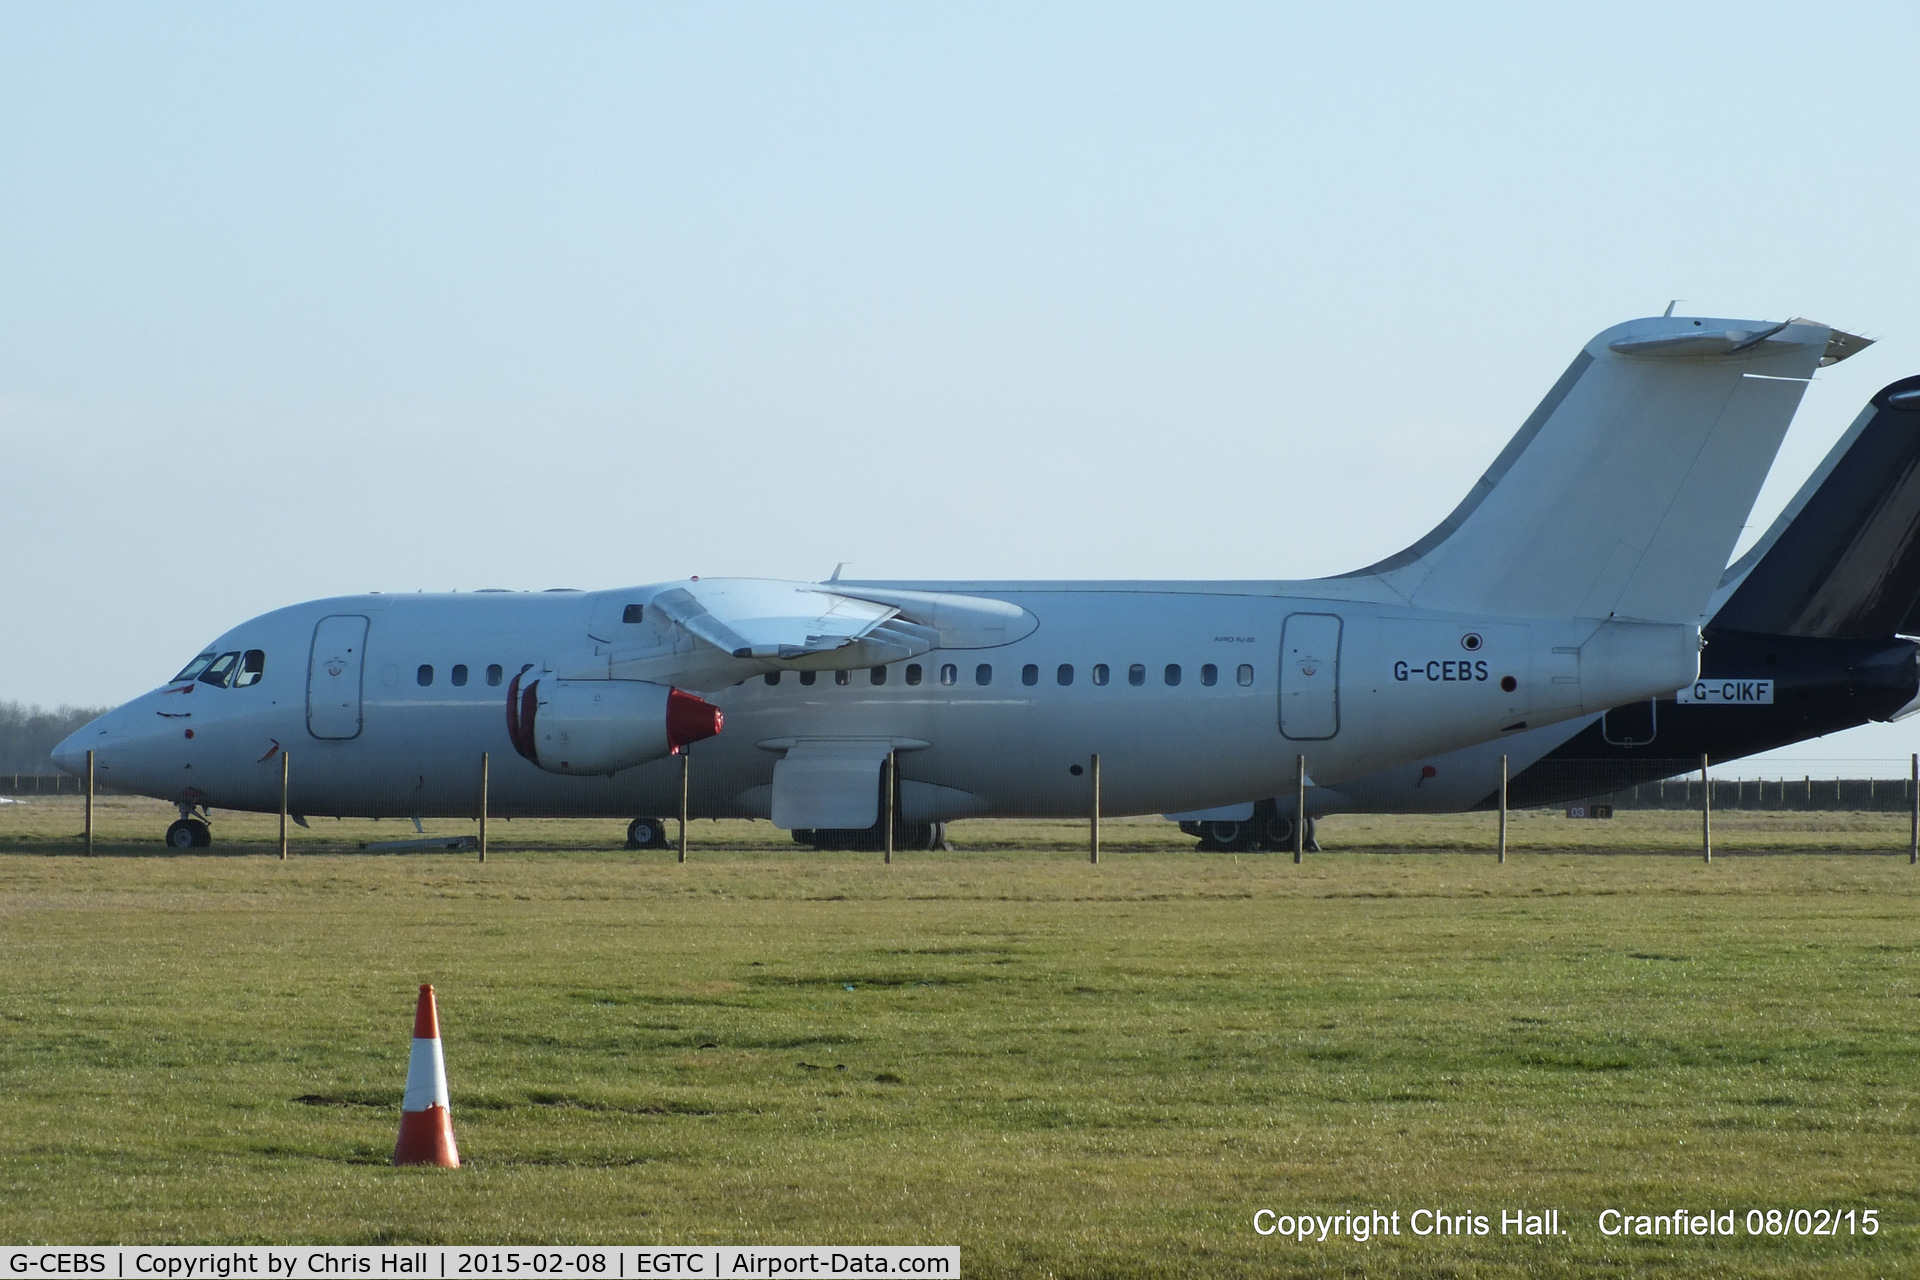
[1866,805]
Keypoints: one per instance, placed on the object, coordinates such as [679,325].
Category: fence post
[892,764]
[1300,806]
[1706,812]
[1503,810]
[285,769]
[1093,819]
[1913,844]
[89,803]
[485,769]
[686,761]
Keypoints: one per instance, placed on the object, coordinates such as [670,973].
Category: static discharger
[426,1126]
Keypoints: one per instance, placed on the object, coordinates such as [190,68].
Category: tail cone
[426,1127]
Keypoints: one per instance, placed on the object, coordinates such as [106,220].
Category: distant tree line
[28,735]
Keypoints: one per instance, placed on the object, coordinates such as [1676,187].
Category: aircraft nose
[71,754]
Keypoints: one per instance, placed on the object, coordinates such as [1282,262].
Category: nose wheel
[646,833]
[189,833]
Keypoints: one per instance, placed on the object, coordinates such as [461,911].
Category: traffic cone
[426,1129]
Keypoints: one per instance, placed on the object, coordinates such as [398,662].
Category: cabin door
[1310,676]
[333,676]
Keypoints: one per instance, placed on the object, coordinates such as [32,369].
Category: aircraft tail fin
[1843,558]
[1623,493]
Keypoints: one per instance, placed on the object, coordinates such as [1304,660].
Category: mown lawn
[1064,1069]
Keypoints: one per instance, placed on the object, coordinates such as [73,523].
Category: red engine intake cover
[522,706]
[690,719]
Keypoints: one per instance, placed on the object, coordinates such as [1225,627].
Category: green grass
[1064,1069]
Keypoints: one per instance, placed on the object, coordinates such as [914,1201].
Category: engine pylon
[426,1126]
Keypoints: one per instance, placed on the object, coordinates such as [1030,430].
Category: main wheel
[646,833]
[1280,832]
[189,833]
[1225,835]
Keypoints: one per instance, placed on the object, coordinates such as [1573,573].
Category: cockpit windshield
[220,674]
[193,669]
[226,670]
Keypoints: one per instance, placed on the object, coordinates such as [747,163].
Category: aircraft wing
[714,632]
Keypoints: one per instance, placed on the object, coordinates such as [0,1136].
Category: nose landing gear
[646,833]
[189,833]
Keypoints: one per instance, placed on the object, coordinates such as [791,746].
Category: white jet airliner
[1572,578]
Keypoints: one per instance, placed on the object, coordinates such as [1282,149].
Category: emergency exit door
[1310,676]
[333,676]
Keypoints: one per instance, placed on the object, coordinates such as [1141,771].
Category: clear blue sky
[306,300]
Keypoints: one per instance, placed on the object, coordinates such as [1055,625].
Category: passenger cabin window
[424,676]
[1137,674]
[494,673]
[808,677]
[459,675]
[843,677]
[1245,674]
[1030,674]
[1065,674]
[220,674]
[632,613]
[983,674]
[1209,675]
[252,666]
[949,674]
[193,669]
[1099,673]
[1173,673]
[878,675]
[772,677]
[913,673]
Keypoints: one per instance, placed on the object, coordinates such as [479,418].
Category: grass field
[1064,1069]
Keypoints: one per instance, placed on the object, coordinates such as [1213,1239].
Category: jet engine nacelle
[587,727]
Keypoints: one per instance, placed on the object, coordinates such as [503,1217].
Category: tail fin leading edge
[1624,492]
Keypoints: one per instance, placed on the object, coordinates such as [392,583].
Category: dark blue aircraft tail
[1843,559]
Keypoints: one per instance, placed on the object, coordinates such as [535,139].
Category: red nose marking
[1428,771]
[689,719]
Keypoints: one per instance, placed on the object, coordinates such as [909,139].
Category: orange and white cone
[426,1128]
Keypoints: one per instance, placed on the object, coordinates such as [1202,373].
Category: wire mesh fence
[640,812]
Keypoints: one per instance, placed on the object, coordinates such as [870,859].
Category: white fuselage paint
[1409,684]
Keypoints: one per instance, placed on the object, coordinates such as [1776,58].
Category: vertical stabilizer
[1843,559]
[1624,492]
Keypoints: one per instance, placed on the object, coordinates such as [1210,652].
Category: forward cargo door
[1310,676]
[333,676]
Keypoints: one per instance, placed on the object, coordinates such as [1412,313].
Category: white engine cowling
[588,727]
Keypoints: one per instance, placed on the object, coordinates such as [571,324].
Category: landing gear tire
[906,835]
[1279,832]
[1226,837]
[646,833]
[189,833]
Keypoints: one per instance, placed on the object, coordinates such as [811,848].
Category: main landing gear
[646,833]
[906,835]
[1265,831]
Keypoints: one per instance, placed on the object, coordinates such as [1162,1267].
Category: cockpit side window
[220,674]
[253,665]
[193,669]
